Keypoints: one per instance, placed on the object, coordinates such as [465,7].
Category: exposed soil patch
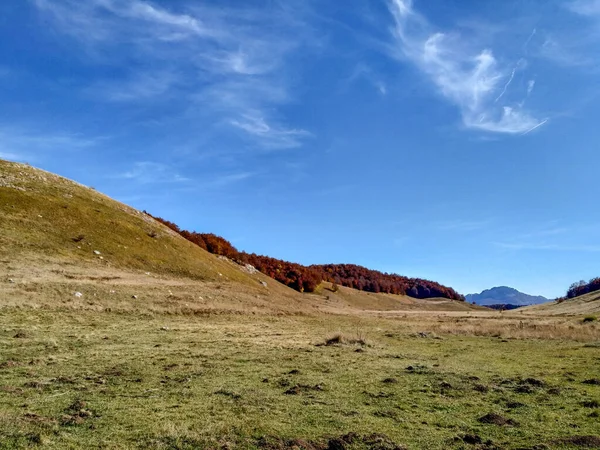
[374,441]
[8,364]
[300,388]
[591,404]
[481,388]
[592,381]
[32,417]
[472,439]
[379,394]
[497,419]
[418,368]
[229,394]
[514,405]
[76,414]
[580,441]
[389,380]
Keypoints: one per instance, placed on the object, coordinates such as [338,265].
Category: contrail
[533,128]
[512,75]
[529,39]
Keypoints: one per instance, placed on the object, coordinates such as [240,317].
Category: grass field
[83,379]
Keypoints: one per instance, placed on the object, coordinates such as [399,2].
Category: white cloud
[147,172]
[140,87]
[270,136]
[230,62]
[549,247]
[585,7]
[470,78]
[20,143]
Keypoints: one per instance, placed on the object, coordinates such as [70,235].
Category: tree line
[582,287]
[307,278]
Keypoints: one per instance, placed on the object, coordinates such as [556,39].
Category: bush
[589,319]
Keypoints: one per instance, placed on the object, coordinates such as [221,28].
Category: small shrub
[589,319]
[341,339]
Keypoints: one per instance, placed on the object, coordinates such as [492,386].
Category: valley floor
[114,380]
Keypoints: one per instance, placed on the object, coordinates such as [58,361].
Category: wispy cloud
[227,61]
[21,143]
[144,86]
[11,156]
[364,72]
[548,247]
[471,78]
[147,172]
[589,8]
[555,237]
[271,136]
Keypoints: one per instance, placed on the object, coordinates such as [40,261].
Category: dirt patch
[8,364]
[514,405]
[592,381]
[35,418]
[76,414]
[580,441]
[418,368]
[497,419]
[389,380]
[374,441]
[481,388]
[591,404]
[472,439]
[300,388]
[229,394]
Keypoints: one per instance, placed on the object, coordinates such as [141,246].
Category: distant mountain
[504,295]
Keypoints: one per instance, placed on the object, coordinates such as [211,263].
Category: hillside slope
[58,237]
[64,244]
[584,304]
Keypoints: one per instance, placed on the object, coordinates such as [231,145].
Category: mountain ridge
[504,295]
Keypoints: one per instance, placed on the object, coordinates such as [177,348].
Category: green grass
[106,380]
[46,215]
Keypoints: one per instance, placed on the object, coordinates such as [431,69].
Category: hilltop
[504,295]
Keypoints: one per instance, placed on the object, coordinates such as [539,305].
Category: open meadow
[87,379]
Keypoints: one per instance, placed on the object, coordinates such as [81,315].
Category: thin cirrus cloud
[22,143]
[585,7]
[196,51]
[155,173]
[471,78]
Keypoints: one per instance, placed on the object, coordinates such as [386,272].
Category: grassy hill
[584,304]
[59,238]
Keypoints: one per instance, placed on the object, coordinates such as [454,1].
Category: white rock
[134,297]
[264,283]
[148,273]
[164,328]
[96,252]
[78,294]
[10,280]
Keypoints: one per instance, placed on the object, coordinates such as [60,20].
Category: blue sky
[450,140]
